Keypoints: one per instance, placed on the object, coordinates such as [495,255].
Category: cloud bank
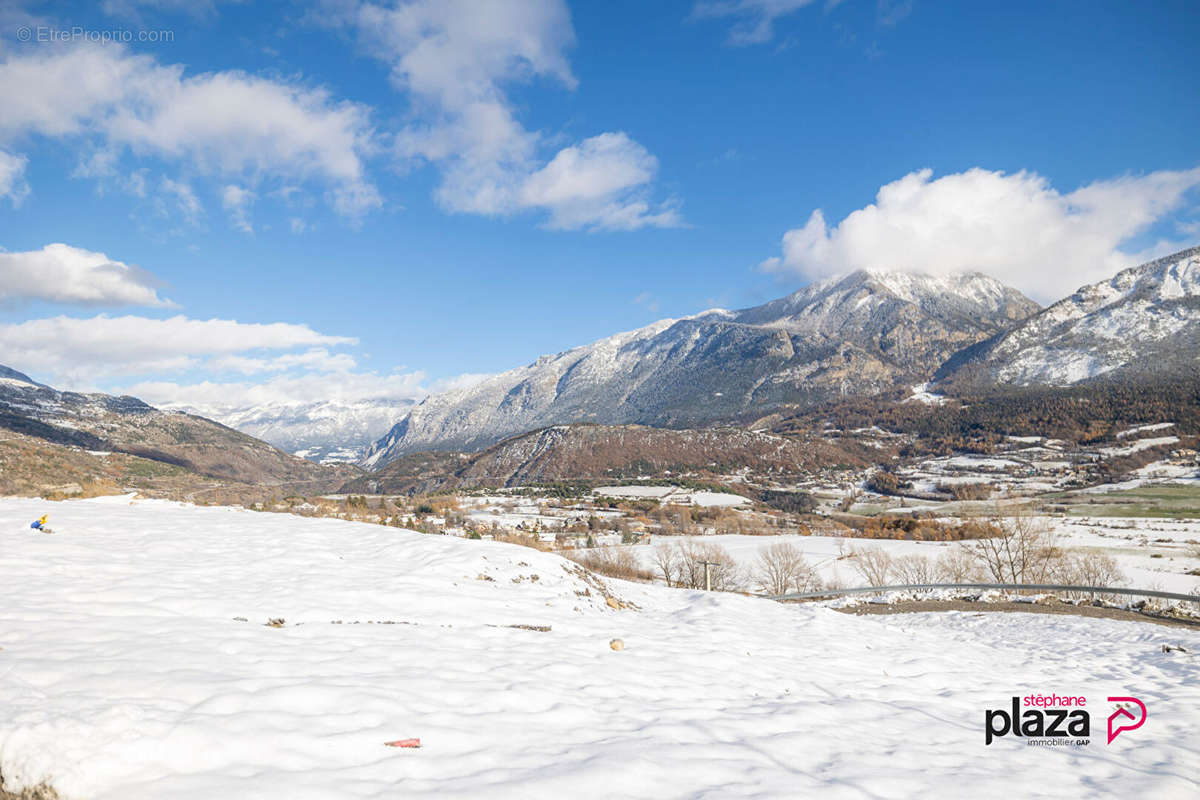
[1015,227]
[79,351]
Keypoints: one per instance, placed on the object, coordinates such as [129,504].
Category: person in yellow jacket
[40,524]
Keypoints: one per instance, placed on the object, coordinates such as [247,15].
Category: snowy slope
[857,334]
[1145,320]
[125,675]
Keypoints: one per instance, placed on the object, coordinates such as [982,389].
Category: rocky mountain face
[102,423]
[608,452]
[326,431]
[1143,322]
[854,335]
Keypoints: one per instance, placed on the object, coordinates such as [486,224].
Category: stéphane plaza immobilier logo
[1052,720]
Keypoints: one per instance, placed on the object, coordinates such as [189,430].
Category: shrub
[615,562]
[967,491]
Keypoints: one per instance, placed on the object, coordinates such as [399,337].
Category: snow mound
[126,673]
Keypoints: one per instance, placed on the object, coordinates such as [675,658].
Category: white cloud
[317,359]
[647,301]
[594,185]
[453,57]
[185,199]
[60,273]
[224,123]
[756,18]
[344,387]
[75,351]
[238,201]
[1016,227]
[12,178]
[340,385]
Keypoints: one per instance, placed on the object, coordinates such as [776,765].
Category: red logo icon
[1116,721]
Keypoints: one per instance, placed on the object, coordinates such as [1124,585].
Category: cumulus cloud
[60,273]
[452,58]
[78,351]
[110,102]
[755,19]
[12,178]
[589,185]
[1016,227]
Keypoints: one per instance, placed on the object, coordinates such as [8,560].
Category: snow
[1158,426]
[1140,444]
[673,494]
[124,674]
[921,394]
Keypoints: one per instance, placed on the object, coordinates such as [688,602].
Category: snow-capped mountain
[857,334]
[1143,321]
[108,423]
[326,431]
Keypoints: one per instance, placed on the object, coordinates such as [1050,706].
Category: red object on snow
[404,743]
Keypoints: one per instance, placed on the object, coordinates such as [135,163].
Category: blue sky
[373,199]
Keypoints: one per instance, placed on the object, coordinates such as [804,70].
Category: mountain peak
[8,373]
[1145,318]
[864,295]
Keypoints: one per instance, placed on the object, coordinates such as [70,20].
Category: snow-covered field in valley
[126,673]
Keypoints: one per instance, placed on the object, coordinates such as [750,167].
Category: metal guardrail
[1020,587]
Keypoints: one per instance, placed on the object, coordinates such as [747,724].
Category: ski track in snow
[124,675]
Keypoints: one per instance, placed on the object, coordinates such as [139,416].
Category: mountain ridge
[1143,320]
[856,334]
[101,422]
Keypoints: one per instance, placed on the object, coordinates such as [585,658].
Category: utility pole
[707,575]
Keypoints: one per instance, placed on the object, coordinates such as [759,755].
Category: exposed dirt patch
[913,606]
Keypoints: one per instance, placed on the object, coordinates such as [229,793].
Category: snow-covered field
[126,673]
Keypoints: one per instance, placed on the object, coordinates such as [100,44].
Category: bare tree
[913,568]
[1088,569]
[724,573]
[874,565]
[782,569]
[666,561]
[957,565]
[1023,552]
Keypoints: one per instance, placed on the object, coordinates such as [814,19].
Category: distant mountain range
[853,335]
[644,396]
[325,431]
[98,424]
